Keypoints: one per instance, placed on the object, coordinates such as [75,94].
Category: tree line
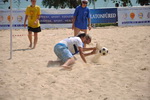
[74,3]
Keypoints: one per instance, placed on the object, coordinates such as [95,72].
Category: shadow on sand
[57,64]
[23,49]
[53,64]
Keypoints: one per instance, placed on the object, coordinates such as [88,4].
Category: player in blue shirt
[81,18]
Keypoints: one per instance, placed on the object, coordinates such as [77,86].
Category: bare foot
[33,47]
[30,45]
[66,68]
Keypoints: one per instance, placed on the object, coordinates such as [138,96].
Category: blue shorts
[62,52]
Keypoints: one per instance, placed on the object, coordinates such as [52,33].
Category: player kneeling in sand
[67,48]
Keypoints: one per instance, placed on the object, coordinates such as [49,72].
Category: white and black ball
[103,51]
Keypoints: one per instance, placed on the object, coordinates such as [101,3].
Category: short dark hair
[81,35]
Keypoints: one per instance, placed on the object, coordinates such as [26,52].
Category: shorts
[38,29]
[62,52]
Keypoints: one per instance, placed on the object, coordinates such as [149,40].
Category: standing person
[67,48]
[81,18]
[33,13]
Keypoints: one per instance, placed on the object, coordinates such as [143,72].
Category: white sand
[124,74]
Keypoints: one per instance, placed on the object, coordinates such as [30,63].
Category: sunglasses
[84,2]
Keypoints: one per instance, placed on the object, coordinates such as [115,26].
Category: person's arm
[74,17]
[88,54]
[89,23]
[26,16]
[38,16]
[89,19]
[88,49]
[37,19]
[82,54]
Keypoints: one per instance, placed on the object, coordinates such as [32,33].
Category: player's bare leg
[35,39]
[69,62]
[84,30]
[30,38]
[76,31]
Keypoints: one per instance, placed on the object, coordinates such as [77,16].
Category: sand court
[123,74]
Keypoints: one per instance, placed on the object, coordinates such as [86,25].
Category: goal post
[10,29]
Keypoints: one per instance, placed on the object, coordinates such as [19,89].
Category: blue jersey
[82,15]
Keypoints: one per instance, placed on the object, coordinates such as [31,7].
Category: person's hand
[25,25]
[94,51]
[90,27]
[35,22]
[72,27]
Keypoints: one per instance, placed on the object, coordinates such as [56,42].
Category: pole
[94,8]
[10,29]
[94,3]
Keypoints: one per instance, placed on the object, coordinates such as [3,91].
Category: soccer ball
[103,51]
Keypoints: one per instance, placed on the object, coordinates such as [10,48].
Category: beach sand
[123,74]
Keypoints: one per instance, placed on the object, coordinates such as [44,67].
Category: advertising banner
[56,18]
[17,19]
[53,18]
[134,16]
[107,15]
[48,19]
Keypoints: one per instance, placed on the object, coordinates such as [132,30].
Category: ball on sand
[103,51]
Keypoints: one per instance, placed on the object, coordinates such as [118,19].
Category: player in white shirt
[67,48]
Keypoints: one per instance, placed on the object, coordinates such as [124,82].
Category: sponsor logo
[132,15]
[9,19]
[124,16]
[140,15]
[148,15]
[1,18]
[106,15]
[19,18]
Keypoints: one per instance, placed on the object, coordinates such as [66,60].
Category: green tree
[123,3]
[63,3]
[143,2]
[128,2]
[5,1]
[18,2]
[74,3]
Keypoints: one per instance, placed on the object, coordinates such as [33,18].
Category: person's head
[33,2]
[86,39]
[84,3]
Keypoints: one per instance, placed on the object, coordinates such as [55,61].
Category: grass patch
[105,24]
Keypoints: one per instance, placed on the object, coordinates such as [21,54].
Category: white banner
[19,16]
[17,19]
[134,16]
[54,11]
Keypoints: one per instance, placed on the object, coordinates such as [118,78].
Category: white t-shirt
[73,43]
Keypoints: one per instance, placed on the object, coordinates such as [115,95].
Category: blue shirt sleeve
[88,13]
[76,11]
